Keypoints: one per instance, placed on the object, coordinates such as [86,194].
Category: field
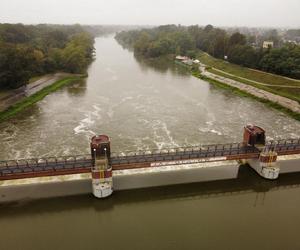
[276,84]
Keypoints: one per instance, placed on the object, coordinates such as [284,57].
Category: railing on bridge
[182,153]
[283,145]
[51,164]
[83,163]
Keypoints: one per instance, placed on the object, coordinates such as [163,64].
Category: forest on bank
[31,50]
[236,47]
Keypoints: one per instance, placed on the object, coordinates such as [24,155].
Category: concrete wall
[46,187]
[289,164]
[170,175]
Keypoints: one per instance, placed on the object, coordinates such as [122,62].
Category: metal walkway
[28,168]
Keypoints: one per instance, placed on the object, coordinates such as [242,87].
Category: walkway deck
[53,166]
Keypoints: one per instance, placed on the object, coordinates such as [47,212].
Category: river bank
[276,84]
[283,104]
[17,100]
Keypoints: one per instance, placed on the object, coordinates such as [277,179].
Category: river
[142,105]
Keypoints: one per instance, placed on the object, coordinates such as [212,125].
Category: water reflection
[247,182]
[161,65]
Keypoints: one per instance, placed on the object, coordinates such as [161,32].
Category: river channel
[141,105]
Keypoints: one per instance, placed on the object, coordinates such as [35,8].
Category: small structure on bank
[268,44]
[186,60]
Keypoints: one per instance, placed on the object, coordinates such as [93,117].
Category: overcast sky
[271,13]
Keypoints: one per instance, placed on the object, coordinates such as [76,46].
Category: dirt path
[283,101]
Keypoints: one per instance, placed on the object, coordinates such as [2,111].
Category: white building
[268,44]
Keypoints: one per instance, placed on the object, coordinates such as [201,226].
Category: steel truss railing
[169,154]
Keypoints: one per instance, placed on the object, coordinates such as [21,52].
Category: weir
[142,169]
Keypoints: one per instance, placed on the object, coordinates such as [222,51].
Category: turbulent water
[140,105]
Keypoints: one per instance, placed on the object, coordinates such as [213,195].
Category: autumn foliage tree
[27,51]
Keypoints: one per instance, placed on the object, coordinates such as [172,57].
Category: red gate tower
[101,168]
[254,136]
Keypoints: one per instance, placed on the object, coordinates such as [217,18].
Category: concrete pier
[67,185]
[289,163]
[46,187]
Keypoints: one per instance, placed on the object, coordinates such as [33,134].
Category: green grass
[291,93]
[241,93]
[28,101]
[250,74]
[183,64]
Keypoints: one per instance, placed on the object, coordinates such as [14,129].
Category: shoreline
[242,93]
[38,95]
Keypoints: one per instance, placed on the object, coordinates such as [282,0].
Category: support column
[101,169]
[266,165]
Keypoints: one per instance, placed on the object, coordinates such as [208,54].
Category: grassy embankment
[28,101]
[239,92]
[254,75]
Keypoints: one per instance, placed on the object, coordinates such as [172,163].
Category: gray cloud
[218,12]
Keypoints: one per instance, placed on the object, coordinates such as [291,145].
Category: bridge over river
[53,166]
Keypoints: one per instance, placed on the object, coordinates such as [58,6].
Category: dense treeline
[172,39]
[27,51]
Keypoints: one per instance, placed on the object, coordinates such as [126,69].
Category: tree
[16,65]
[237,39]
[243,55]
[142,43]
[27,50]
[284,61]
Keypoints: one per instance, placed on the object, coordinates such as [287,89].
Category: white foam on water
[209,130]
[164,139]
[79,129]
[204,129]
[115,78]
[140,108]
[141,145]
[84,124]
[67,151]
[144,121]
[96,112]
[15,154]
[210,123]
[294,135]
[127,98]
[110,70]
[96,107]
[110,113]
[88,121]
[216,132]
